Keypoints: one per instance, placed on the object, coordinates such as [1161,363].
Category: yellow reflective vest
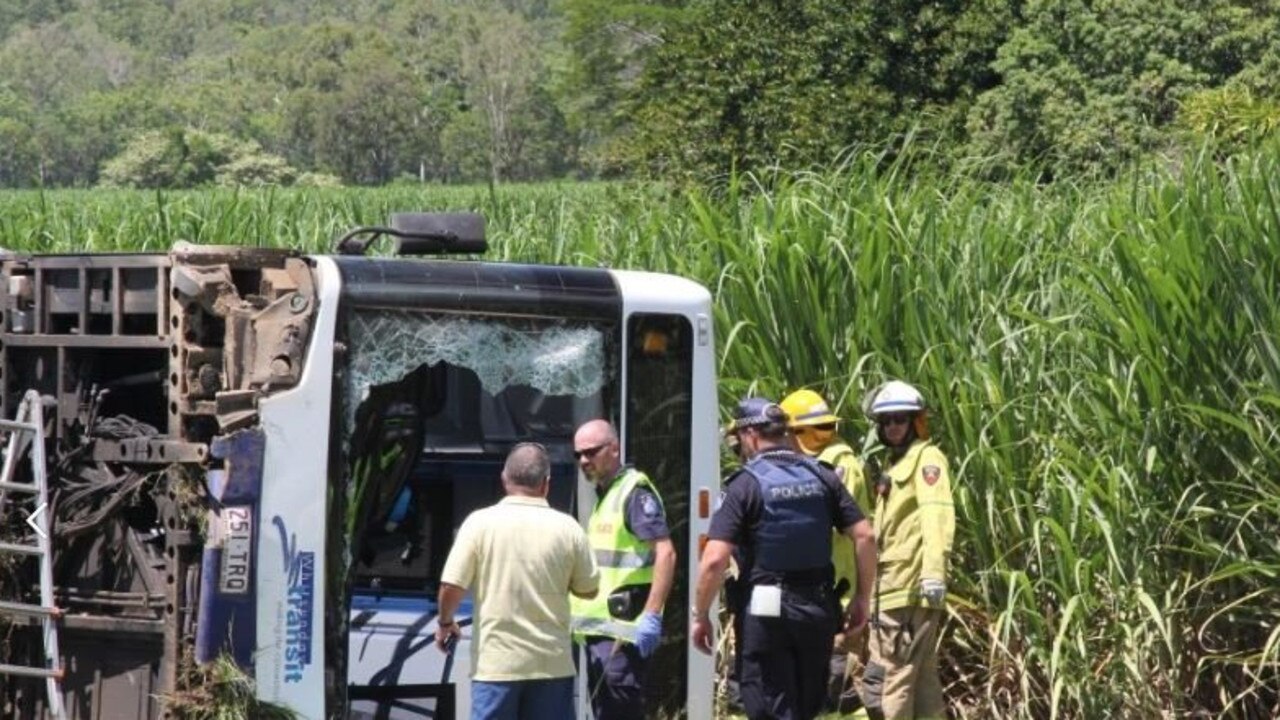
[841,457]
[623,559]
[915,526]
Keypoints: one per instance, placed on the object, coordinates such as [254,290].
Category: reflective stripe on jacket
[915,526]
[841,457]
[623,559]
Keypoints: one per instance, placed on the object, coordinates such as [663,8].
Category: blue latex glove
[648,632]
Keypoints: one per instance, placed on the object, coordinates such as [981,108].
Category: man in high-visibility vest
[915,526]
[629,535]
[814,427]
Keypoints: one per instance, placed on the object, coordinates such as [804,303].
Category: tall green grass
[1102,362]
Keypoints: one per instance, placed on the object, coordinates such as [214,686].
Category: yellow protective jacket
[623,559]
[841,457]
[915,526]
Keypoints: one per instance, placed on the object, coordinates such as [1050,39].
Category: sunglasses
[895,419]
[827,427]
[589,452]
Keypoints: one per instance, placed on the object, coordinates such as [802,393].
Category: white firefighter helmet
[894,396]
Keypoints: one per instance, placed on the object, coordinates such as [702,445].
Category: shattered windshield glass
[554,358]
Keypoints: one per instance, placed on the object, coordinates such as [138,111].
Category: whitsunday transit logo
[300,569]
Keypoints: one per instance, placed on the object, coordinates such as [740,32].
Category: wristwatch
[695,615]
[446,623]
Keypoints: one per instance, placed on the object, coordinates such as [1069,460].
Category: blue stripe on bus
[414,604]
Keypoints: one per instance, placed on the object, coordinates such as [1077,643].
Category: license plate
[237,550]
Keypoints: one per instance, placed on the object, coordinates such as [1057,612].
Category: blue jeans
[550,699]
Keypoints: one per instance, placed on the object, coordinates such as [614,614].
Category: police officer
[915,524]
[814,427]
[736,589]
[628,532]
[776,516]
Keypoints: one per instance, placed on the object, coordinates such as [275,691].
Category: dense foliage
[381,91]
[371,92]
[1103,363]
[756,84]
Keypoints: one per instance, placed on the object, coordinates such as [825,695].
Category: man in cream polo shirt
[521,559]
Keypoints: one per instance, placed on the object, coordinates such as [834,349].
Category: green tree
[1087,87]
[428,46]
[77,86]
[367,128]
[46,67]
[14,13]
[255,170]
[19,152]
[464,144]
[364,88]
[289,70]
[186,158]
[97,125]
[750,84]
[608,45]
[499,68]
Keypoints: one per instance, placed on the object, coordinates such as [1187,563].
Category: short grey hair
[527,465]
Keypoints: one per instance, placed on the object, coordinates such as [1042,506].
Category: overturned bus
[257,459]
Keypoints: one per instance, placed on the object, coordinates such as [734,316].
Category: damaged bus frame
[262,457]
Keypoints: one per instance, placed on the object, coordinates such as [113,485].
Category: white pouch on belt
[766,601]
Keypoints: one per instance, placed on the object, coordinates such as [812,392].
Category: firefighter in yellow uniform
[915,524]
[814,427]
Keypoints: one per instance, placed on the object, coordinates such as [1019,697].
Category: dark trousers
[615,679]
[842,689]
[784,659]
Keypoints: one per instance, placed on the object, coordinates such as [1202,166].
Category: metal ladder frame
[26,434]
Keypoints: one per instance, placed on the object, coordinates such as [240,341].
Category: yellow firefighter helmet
[806,407]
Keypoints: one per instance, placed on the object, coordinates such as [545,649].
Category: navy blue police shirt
[645,517]
[742,507]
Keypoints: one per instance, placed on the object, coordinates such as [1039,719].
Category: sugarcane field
[526,360]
